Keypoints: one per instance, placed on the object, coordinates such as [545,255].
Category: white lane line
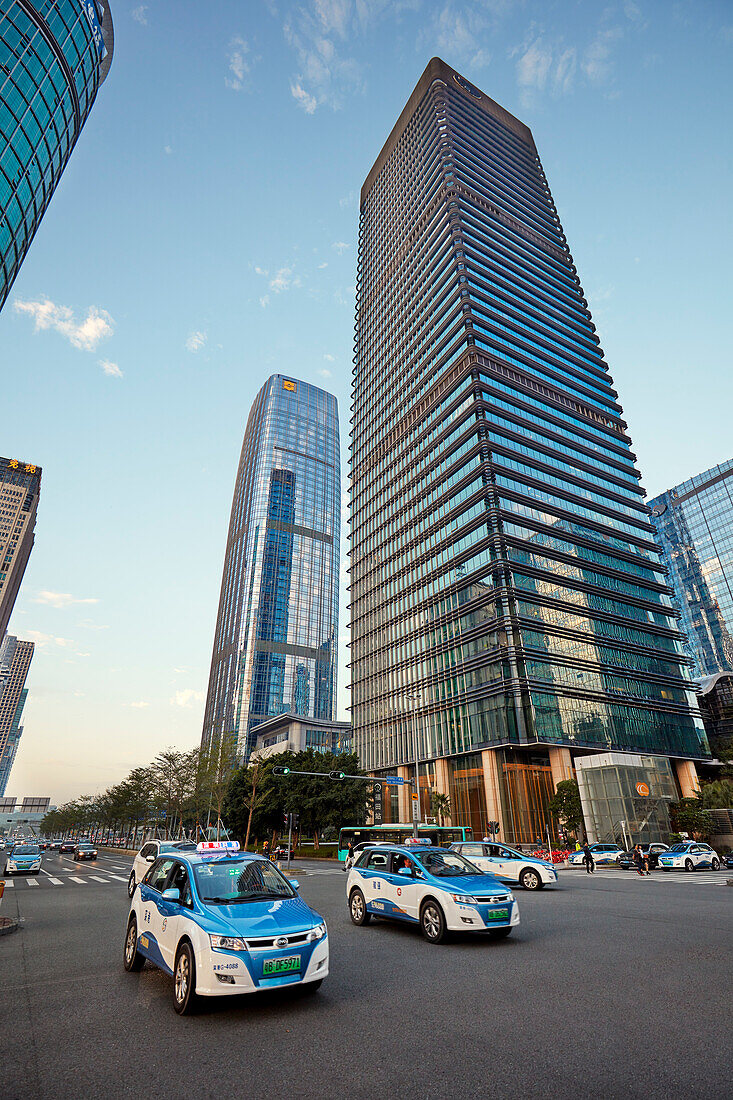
[118,878]
[98,878]
[81,881]
[32,881]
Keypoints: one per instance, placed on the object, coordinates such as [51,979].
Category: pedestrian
[486,840]
[638,858]
[349,862]
[647,861]
[266,849]
[590,865]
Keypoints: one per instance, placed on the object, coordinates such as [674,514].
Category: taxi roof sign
[213,847]
[417,842]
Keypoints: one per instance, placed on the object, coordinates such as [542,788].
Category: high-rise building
[54,54]
[15,660]
[277,626]
[20,488]
[509,606]
[694,523]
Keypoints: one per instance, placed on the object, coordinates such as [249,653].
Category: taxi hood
[474,884]
[260,919]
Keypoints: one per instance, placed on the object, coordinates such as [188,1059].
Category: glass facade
[694,523]
[504,571]
[276,631]
[54,54]
[20,489]
[613,807]
[15,661]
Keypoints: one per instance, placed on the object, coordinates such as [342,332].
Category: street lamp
[416,813]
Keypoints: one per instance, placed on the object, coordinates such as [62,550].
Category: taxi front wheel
[530,879]
[132,958]
[358,909]
[432,922]
[185,1000]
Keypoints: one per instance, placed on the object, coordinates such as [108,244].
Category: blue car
[223,923]
[23,858]
[433,888]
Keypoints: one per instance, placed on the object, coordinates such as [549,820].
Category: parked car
[280,851]
[626,859]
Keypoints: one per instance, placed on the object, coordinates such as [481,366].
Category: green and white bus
[442,836]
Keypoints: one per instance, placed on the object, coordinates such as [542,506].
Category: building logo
[91,13]
[642,789]
[466,86]
[288,385]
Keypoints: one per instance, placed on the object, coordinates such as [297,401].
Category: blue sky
[203,237]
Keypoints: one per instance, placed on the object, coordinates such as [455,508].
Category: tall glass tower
[20,489]
[277,627]
[694,523]
[509,606]
[54,54]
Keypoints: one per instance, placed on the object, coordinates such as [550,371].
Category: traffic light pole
[290,837]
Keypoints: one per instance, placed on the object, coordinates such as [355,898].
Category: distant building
[292,733]
[23,814]
[15,660]
[55,54]
[716,707]
[20,489]
[694,523]
[277,626]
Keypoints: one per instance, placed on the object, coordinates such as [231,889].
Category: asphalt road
[613,986]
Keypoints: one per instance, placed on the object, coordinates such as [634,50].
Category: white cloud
[458,30]
[110,368]
[545,65]
[534,65]
[265,301]
[321,266]
[320,31]
[187,698]
[139,705]
[86,334]
[340,247]
[330,358]
[138,14]
[303,98]
[347,200]
[62,600]
[167,149]
[281,280]
[325,373]
[195,340]
[240,64]
[596,63]
[42,640]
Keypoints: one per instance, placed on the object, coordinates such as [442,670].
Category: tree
[718,795]
[565,805]
[439,805]
[690,816]
[216,767]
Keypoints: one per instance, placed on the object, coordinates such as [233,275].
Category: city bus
[440,835]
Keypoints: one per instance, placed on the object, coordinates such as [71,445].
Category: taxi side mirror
[405,871]
[171,895]
[295,884]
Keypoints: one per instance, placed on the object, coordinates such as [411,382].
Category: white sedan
[508,864]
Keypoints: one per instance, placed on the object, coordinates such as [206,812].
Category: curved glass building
[54,54]
[277,627]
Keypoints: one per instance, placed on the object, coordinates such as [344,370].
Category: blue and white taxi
[434,888]
[602,854]
[224,922]
[23,858]
[690,855]
[508,864]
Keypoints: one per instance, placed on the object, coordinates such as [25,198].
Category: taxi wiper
[225,901]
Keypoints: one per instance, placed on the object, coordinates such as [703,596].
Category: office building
[277,626]
[15,660]
[509,608]
[54,54]
[292,733]
[715,700]
[694,524]
[20,488]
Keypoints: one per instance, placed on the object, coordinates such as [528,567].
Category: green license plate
[271,967]
[498,914]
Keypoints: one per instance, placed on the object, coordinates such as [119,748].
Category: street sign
[394,780]
[415,808]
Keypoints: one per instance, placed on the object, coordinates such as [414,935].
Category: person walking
[266,849]
[349,861]
[590,865]
[638,857]
[647,861]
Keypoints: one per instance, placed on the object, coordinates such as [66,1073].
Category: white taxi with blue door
[434,888]
[508,864]
[690,856]
[224,922]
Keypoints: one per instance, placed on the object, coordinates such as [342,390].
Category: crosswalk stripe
[118,878]
[98,879]
[81,881]
[32,881]
[9,884]
[55,881]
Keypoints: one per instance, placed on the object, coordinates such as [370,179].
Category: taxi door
[375,881]
[403,890]
[498,862]
[152,912]
[173,913]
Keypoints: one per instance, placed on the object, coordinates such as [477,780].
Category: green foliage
[439,806]
[321,802]
[690,816]
[565,805]
[718,795]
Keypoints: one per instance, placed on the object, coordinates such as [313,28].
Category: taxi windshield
[679,847]
[26,850]
[445,864]
[235,881]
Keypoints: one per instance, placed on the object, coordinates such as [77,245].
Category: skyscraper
[15,660]
[277,627]
[54,54]
[20,488]
[509,606]
[694,523]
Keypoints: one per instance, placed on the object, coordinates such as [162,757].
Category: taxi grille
[492,900]
[267,943]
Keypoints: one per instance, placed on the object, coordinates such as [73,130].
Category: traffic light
[492,827]
[280,771]
[286,820]
[337,775]
[295,819]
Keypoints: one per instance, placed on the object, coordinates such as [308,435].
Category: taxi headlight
[464,899]
[510,897]
[227,943]
[316,933]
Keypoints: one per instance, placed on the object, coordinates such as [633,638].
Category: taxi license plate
[271,967]
[498,914]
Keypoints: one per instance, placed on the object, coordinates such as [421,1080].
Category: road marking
[55,881]
[81,881]
[32,881]
[98,879]
[118,878]
[9,884]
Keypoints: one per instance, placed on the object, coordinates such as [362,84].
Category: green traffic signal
[280,771]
